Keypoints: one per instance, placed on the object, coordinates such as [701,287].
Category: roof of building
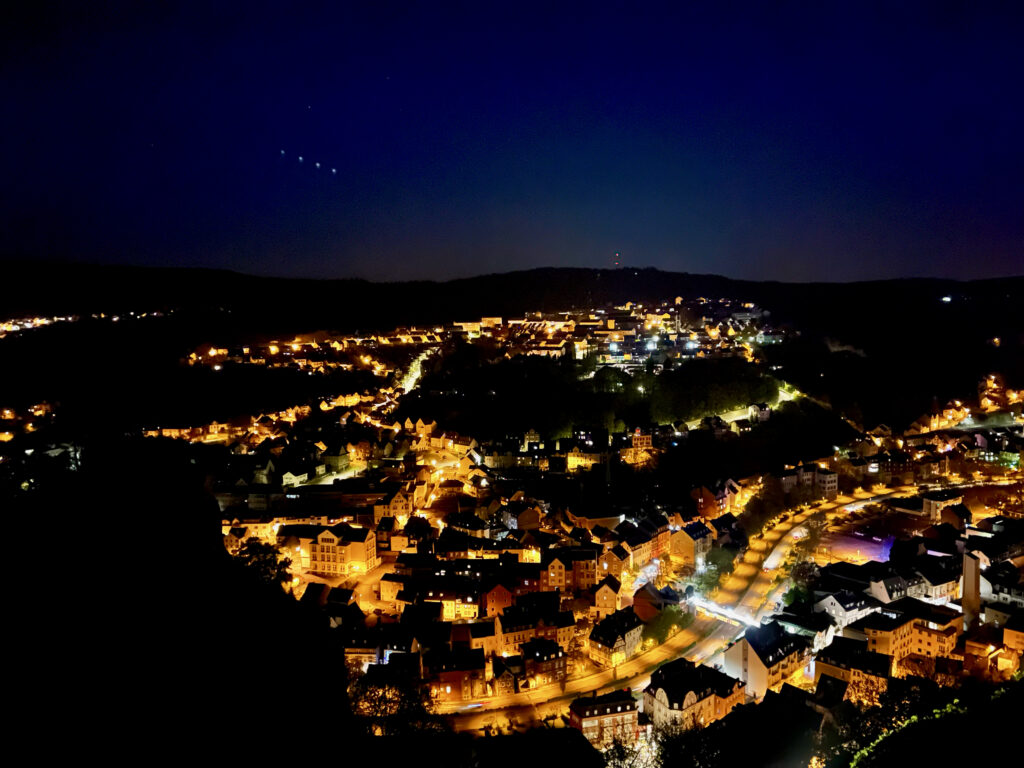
[811,623]
[660,597]
[619,552]
[852,601]
[541,649]
[945,494]
[590,706]
[483,628]
[677,678]
[617,625]
[830,691]
[696,530]
[847,653]
[772,643]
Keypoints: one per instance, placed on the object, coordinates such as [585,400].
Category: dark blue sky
[761,140]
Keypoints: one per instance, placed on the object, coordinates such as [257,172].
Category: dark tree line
[473,389]
[797,431]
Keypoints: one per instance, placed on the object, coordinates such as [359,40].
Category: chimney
[971,595]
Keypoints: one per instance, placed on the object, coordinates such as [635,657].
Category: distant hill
[34,288]
[878,351]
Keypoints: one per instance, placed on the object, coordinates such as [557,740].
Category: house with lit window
[910,627]
[477,635]
[765,657]
[457,603]
[605,719]
[758,412]
[456,675]
[545,662]
[398,504]
[337,550]
[613,562]
[846,607]
[866,672]
[716,499]
[553,569]
[495,598]
[615,638]
[940,579]
[606,596]
[686,694]
[577,460]
[515,627]
[691,544]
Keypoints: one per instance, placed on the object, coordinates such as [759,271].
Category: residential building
[545,662]
[691,544]
[607,718]
[606,597]
[649,601]
[716,499]
[1013,633]
[614,561]
[688,695]
[457,675]
[866,672]
[759,412]
[910,627]
[826,483]
[765,657]
[615,638]
[553,568]
[338,550]
[935,501]
[846,607]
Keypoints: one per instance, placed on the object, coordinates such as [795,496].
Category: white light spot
[300,158]
[318,165]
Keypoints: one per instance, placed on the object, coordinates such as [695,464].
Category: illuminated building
[690,695]
[615,638]
[765,657]
[607,718]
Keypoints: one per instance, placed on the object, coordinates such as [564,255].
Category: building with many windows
[545,662]
[604,719]
[765,657]
[337,550]
[615,638]
[909,627]
[866,672]
[690,695]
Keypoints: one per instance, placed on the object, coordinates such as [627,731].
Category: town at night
[479,386]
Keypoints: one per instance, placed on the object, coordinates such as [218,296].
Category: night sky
[764,140]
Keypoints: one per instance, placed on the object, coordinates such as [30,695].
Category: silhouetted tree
[265,560]
[388,705]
